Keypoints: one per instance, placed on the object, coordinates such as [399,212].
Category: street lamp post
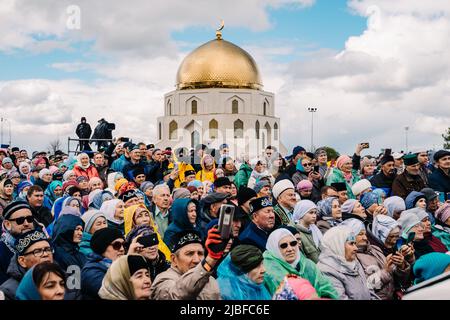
[406,138]
[312,110]
[1,129]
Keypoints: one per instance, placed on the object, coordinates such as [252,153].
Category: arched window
[195,139]
[275,131]
[235,107]
[213,129]
[265,108]
[257,129]
[194,107]
[173,127]
[169,108]
[159,131]
[238,129]
[269,133]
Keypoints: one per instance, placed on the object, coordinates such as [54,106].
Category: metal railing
[90,141]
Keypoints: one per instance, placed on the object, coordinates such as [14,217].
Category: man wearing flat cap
[439,180]
[210,208]
[263,223]
[190,274]
[410,180]
[385,178]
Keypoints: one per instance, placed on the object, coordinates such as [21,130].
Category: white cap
[282,186]
[360,186]
[397,155]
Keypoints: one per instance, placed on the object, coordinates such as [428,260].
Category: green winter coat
[277,269]
[309,248]
[338,176]
[441,233]
[242,176]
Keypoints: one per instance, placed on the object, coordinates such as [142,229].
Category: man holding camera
[190,274]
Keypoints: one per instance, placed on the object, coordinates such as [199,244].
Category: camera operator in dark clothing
[84,131]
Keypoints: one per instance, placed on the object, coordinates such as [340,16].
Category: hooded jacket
[92,275]
[243,175]
[15,273]
[180,221]
[66,251]
[120,163]
[338,176]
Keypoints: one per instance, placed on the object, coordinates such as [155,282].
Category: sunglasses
[21,220]
[117,245]
[307,164]
[292,244]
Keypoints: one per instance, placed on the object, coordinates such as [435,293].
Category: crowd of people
[134,222]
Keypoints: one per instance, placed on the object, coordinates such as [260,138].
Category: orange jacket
[88,173]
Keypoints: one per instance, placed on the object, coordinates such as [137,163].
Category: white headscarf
[109,209]
[383,226]
[300,210]
[354,224]
[273,244]
[43,172]
[79,161]
[111,180]
[333,242]
[67,174]
[394,203]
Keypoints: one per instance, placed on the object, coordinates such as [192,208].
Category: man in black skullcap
[341,189]
[410,180]
[210,207]
[385,178]
[222,185]
[32,247]
[190,274]
[263,223]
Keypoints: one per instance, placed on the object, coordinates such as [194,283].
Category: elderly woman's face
[322,158]
[359,210]
[392,238]
[84,160]
[58,191]
[47,177]
[347,167]
[257,274]
[25,169]
[336,212]
[369,169]
[288,248]
[421,203]
[96,184]
[350,250]
[307,164]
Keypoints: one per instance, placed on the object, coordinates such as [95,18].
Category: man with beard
[385,178]
[384,274]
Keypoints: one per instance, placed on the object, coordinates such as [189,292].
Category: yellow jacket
[129,224]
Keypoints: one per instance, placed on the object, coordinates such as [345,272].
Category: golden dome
[218,64]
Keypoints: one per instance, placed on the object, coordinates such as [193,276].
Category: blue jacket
[92,276]
[5,258]
[67,252]
[119,164]
[439,181]
[180,221]
[85,244]
[254,236]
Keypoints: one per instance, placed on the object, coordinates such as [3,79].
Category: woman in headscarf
[45,178]
[283,257]
[277,167]
[305,215]
[84,167]
[229,168]
[330,214]
[114,213]
[67,234]
[144,241]
[25,170]
[53,192]
[395,206]
[184,217]
[415,200]
[14,176]
[95,183]
[69,175]
[93,220]
[338,261]
[44,281]
[241,275]
[441,229]
[138,215]
[345,173]
[83,184]
[112,179]
[100,198]
[305,171]
[147,188]
[127,279]
[259,172]
[353,209]
[208,169]
[6,195]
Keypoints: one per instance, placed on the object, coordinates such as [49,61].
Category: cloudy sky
[371,67]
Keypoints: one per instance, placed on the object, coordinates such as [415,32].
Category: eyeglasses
[21,220]
[40,252]
[307,164]
[292,244]
[117,245]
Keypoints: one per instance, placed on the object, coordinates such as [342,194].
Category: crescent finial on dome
[219,30]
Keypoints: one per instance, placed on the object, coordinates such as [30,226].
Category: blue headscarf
[236,285]
[147,201]
[27,289]
[50,196]
[412,198]
[180,221]
[99,198]
[325,206]
[369,199]
[300,167]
